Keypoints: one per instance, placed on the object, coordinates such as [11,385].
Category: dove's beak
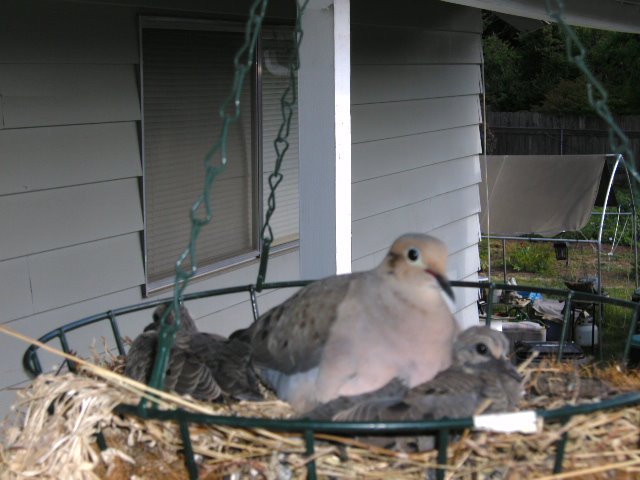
[444,284]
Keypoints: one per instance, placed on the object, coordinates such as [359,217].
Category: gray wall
[415,115]
[70,209]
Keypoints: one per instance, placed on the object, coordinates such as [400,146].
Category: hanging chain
[229,112]
[288,100]
[596,93]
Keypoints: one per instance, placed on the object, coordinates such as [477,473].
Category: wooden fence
[530,133]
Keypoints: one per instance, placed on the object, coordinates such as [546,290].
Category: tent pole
[634,223]
[504,260]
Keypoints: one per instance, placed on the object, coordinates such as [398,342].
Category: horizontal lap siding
[396,119]
[69,189]
[391,155]
[382,194]
[416,82]
[72,215]
[70,169]
[42,95]
[223,314]
[442,210]
[62,156]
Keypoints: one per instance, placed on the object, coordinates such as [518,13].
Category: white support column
[325,139]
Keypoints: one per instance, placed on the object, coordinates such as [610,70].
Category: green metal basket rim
[405,427]
[28,357]
[300,425]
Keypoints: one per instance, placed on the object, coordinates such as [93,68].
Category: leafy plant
[624,233]
[531,257]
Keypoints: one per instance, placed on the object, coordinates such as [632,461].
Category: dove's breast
[381,335]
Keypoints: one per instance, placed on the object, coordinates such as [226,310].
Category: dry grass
[52,435]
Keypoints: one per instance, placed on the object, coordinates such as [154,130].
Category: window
[187,71]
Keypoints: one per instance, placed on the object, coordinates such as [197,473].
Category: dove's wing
[188,373]
[141,356]
[452,394]
[290,337]
[230,363]
[504,385]
[393,391]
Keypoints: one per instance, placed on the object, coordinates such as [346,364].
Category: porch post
[325,139]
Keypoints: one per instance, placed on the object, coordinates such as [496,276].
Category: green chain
[229,112]
[596,93]
[281,145]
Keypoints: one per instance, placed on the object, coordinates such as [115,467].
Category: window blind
[186,76]
[277,49]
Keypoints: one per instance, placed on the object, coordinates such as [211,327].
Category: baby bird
[198,361]
[186,372]
[480,372]
[351,334]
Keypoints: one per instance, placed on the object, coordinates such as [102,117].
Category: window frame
[257,164]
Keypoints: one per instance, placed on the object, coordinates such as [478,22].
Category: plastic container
[585,333]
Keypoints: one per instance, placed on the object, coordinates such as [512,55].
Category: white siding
[70,169]
[415,131]
[71,166]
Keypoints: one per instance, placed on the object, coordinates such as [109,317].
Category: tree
[530,71]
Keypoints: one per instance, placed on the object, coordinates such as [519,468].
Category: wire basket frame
[309,428]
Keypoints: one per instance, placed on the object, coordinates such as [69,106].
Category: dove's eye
[413,254]
[481,348]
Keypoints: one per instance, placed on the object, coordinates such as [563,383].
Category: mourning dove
[480,372]
[349,334]
[186,373]
[204,365]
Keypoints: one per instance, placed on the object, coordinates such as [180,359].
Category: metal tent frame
[619,161]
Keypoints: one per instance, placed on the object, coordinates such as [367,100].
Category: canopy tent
[539,194]
[546,195]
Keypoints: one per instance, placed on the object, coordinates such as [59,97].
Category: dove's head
[419,259]
[478,345]
[186,322]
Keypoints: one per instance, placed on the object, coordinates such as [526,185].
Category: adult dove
[480,372]
[203,364]
[350,334]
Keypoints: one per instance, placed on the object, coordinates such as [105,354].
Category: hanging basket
[309,437]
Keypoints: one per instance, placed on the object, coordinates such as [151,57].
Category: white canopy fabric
[617,15]
[538,194]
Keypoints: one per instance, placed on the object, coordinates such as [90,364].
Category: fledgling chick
[186,372]
[230,362]
[198,355]
[350,334]
[481,371]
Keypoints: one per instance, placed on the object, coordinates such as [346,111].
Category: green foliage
[566,96]
[623,235]
[531,257]
[501,71]
[483,249]
[530,71]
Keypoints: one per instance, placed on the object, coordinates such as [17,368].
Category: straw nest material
[51,434]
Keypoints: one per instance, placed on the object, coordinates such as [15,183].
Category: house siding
[415,108]
[70,173]
[70,200]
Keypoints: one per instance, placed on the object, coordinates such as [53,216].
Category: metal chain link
[281,144]
[596,93]
[229,112]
